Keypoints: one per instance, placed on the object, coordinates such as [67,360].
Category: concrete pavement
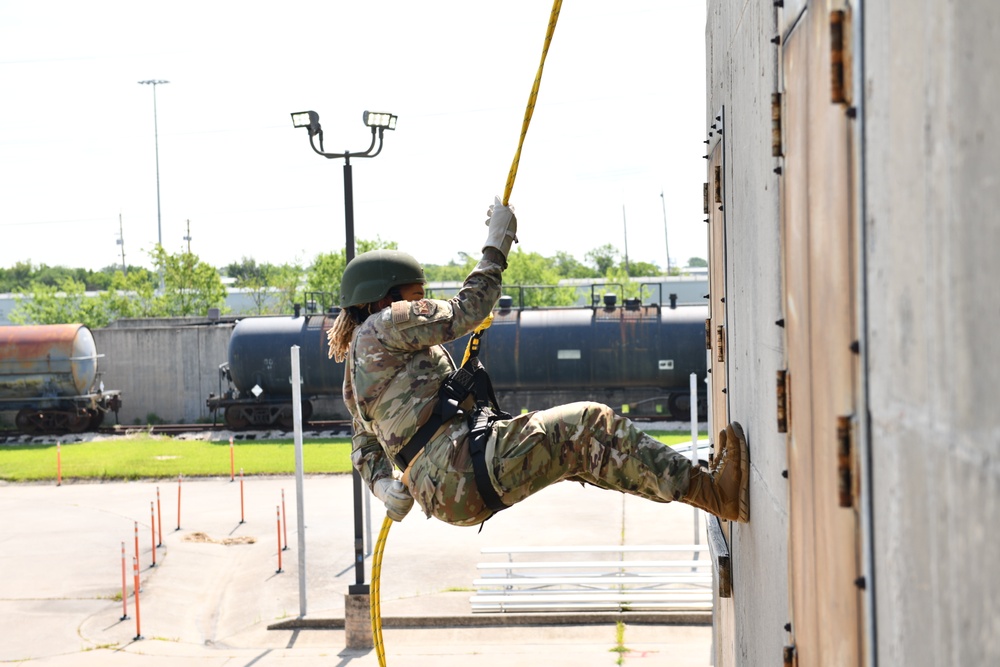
[214,590]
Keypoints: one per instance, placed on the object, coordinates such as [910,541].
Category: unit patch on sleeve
[423,307]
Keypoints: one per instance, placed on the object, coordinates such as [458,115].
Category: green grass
[152,457]
[160,457]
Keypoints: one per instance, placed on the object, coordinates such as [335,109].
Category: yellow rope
[553,18]
[375,606]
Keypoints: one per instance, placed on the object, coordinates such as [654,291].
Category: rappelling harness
[470,380]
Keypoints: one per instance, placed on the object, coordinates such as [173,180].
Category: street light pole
[378,122]
[156,144]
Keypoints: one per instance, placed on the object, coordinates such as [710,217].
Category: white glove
[396,497]
[503,228]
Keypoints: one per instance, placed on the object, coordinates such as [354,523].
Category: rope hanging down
[375,606]
[553,18]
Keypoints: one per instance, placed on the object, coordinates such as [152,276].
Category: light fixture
[307,119]
[380,119]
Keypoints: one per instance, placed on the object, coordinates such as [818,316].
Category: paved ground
[207,603]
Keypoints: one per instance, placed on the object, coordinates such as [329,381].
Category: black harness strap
[470,379]
[479,423]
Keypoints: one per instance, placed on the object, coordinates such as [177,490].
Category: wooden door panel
[795,235]
[817,229]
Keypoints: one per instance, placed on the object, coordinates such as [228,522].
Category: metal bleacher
[595,578]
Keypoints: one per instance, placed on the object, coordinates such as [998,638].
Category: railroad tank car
[259,370]
[636,358]
[49,375]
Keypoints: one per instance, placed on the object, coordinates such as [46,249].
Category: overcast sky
[620,118]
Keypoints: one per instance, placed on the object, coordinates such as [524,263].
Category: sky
[619,119]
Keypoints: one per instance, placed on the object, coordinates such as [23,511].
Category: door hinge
[838,58]
[708,334]
[845,489]
[781,397]
[788,656]
[776,148]
[720,342]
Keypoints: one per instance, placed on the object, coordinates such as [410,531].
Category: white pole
[299,494]
[694,418]
[368,522]
[694,445]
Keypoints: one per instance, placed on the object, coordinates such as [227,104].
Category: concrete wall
[742,74]
[929,315]
[166,367]
[932,221]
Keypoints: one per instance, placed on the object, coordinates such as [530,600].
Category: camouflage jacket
[396,365]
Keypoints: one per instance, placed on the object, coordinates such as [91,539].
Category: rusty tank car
[49,377]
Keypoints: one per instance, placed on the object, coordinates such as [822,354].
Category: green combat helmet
[369,276]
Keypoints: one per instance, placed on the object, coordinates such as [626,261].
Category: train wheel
[679,405]
[77,422]
[235,419]
[25,421]
[96,419]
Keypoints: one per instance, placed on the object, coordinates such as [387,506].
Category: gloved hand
[396,497]
[503,228]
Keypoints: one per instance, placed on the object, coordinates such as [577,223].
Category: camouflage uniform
[395,367]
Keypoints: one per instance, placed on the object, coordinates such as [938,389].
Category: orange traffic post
[232,461]
[278,512]
[135,573]
[137,541]
[152,530]
[58,464]
[284,518]
[178,501]
[242,511]
[124,588]
[159,518]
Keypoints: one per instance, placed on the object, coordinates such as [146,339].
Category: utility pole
[628,269]
[188,237]
[121,242]
[666,239]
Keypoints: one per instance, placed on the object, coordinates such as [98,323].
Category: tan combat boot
[724,490]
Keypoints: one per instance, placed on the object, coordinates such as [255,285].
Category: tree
[272,288]
[568,266]
[133,295]
[63,304]
[603,258]
[452,271]
[530,268]
[640,269]
[17,278]
[191,286]
[697,261]
[324,275]
[619,276]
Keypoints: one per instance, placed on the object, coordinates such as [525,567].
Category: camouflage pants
[585,442]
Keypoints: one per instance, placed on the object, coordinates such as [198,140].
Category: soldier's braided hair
[340,334]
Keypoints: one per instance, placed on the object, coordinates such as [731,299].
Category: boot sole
[744,513]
